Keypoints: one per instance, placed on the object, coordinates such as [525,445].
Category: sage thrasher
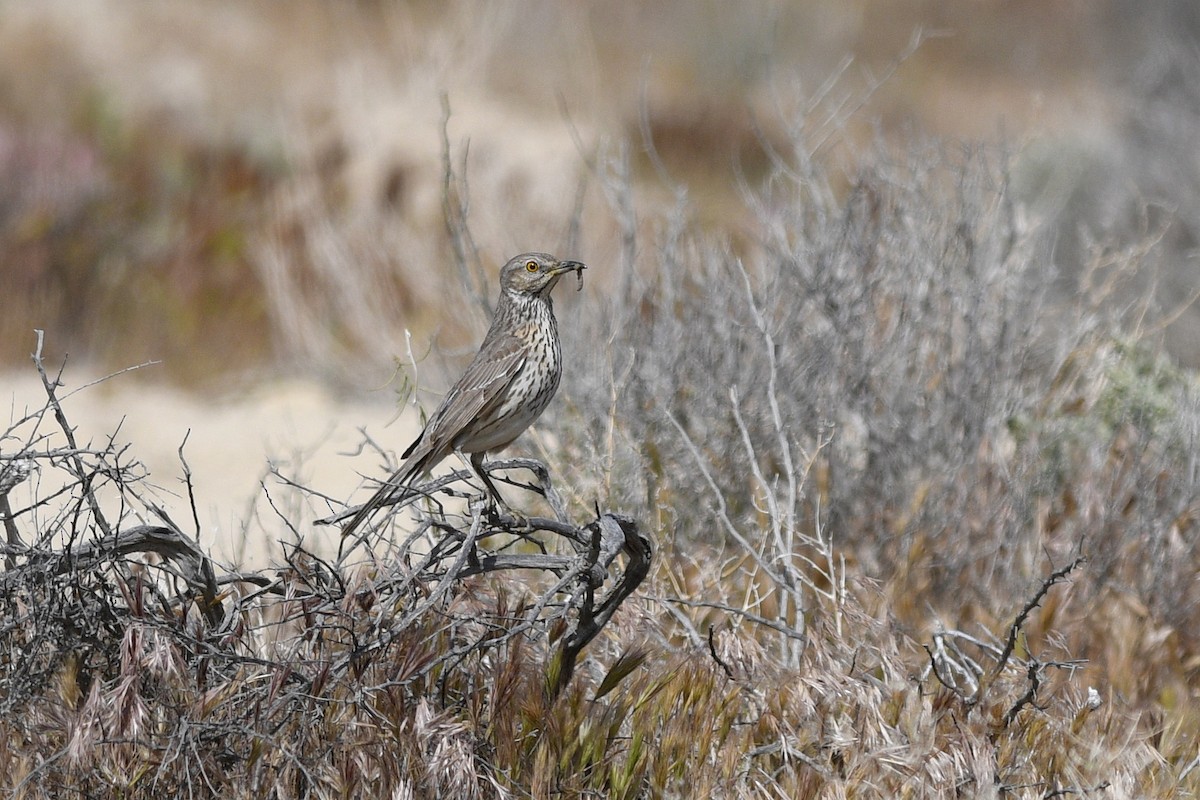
[504,389]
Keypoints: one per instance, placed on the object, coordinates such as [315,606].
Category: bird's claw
[515,520]
[504,517]
[497,514]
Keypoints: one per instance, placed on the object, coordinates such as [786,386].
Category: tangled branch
[104,597]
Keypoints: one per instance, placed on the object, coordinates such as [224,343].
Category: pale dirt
[299,426]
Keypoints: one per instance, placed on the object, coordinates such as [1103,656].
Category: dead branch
[452,553]
[169,543]
[1014,630]
[12,472]
[964,675]
[85,476]
[612,534]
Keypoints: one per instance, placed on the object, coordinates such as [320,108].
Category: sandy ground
[301,428]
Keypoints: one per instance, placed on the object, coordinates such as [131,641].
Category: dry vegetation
[914,540]
[921,526]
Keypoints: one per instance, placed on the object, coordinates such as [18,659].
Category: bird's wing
[480,387]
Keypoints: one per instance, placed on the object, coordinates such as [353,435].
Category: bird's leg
[475,460]
[498,504]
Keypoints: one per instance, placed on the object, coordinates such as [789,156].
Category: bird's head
[535,273]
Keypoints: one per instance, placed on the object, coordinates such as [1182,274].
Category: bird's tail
[392,491]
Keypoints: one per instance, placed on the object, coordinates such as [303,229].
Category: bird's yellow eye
[531,266]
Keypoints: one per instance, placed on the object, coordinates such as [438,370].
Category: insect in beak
[579,267]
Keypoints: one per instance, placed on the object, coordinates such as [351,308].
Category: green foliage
[1142,388]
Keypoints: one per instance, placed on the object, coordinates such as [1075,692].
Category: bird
[503,390]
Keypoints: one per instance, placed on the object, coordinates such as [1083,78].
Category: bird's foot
[501,515]
[497,513]
[512,520]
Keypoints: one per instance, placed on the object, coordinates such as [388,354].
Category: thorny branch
[964,675]
[86,477]
[1014,630]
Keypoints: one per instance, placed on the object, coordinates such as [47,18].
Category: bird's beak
[572,266]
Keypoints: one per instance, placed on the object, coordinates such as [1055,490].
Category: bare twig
[1034,674]
[85,476]
[712,651]
[1014,630]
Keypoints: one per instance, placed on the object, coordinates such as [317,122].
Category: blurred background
[160,163]
[256,194]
